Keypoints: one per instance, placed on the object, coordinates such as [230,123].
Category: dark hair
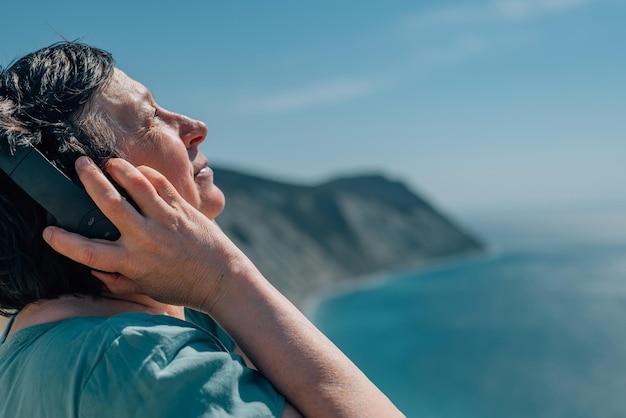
[43,101]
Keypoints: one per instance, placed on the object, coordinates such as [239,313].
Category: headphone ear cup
[67,203]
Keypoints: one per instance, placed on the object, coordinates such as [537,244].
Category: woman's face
[168,142]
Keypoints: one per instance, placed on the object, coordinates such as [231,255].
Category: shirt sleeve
[174,371]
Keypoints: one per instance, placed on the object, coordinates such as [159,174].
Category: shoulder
[83,342]
[131,365]
[163,366]
[141,330]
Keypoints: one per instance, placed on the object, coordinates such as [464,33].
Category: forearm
[313,374]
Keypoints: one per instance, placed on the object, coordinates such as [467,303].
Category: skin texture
[150,135]
[172,254]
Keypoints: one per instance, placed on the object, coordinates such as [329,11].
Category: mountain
[307,239]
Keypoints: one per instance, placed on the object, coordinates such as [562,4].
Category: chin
[213,205]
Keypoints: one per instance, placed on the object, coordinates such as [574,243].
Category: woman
[129,327]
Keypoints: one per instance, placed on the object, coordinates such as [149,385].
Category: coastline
[346,286]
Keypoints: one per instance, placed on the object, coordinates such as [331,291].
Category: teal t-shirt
[130,365]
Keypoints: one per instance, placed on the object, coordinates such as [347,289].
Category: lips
[200,167]
[203,172]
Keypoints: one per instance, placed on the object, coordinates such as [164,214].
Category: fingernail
[83,162]
[47,233]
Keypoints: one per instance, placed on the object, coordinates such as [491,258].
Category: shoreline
[347,286]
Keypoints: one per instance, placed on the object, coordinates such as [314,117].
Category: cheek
[184,186]
[176,170]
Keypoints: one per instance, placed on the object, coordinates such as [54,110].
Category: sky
[477,105]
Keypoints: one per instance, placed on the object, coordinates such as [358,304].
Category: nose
[192,132]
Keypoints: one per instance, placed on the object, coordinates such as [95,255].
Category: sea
[536,327]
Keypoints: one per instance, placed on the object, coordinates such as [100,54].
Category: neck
[65,307]
[139,303]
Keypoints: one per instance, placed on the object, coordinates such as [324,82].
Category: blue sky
[483,104]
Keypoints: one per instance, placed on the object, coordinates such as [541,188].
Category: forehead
[122,99]
[122,88]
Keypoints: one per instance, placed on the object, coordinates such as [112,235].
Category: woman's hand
[168,251]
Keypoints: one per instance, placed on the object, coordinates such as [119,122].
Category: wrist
[220,280]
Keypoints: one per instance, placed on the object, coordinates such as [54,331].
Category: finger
[112,204]
[162,185]
[138,187]
[97,254]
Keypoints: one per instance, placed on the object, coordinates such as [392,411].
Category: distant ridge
[307,239]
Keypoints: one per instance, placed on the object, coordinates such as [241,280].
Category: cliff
[306,239]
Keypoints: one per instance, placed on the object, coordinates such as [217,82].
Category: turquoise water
[536,329]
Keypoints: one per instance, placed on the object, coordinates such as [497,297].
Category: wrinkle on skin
[150,135]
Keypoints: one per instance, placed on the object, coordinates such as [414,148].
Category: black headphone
[67,202]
